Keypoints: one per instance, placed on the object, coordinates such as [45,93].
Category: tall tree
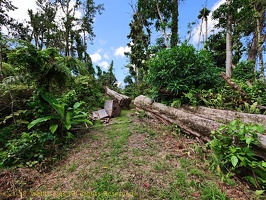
[244,29]
[260,17]
[203,15]
[74,27]
[229,41]
[90,10]
[164,15]
[68,21]
[174,24]
[64,24]
[43,23]
[5,21]
[139,43]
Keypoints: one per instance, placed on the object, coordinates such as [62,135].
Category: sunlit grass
[128,159]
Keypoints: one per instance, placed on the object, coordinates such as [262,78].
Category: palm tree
[203,15]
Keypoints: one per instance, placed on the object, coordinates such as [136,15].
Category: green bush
[28,149]
[61,119]
[244,71]
[179,69]
[233,146]
[89,90]
[256,91]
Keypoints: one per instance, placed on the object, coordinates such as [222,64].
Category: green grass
[132,158]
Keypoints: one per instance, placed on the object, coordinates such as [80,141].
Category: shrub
[88,89]
[244,71]
[28,149]
[179,69]
[233,146]
[61,119]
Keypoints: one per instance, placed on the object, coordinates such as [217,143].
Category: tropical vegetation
[49,86]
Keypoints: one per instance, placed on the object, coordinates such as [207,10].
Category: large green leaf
[53,128]
[234,160]
[39,120]
[59,108]
[77,105]
[83,115]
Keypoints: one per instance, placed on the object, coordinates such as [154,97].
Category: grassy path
[135,158]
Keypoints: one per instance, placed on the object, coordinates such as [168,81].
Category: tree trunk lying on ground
[123,100]
[198,122]
[225,116]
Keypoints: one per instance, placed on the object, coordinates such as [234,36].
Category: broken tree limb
[233,85]
[123,100]
[199,123]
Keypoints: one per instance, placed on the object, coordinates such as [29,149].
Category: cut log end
[123,100]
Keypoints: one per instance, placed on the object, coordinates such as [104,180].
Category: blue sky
[112,27]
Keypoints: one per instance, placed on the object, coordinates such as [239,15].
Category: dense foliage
[51,96]
[234,144]
[48,83]
[179,69]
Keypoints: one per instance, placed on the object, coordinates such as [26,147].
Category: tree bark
[1,59]
[225,116]
[199,122]
[174,26]
[259,23]
[206,28]
[252,53]
[164,28]
[229,42]
[123,100]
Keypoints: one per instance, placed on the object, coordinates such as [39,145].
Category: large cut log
[199,123]
[225,116]
[123,100]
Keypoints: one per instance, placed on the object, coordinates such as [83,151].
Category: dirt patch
[136,141]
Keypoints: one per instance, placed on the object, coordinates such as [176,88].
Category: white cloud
[121,50]
[121,84]
[96,57]
[22,12]
[104,65]
[106,56]
[211,24]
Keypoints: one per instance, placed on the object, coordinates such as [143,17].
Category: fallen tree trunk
[225,116]
[199,123]
[123,100]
